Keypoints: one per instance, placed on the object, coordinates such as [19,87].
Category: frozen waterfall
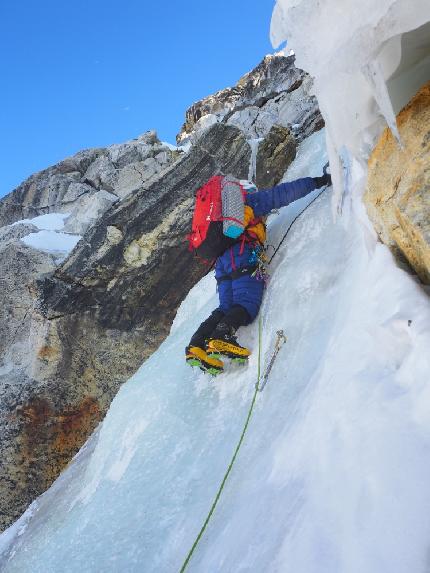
[333,473]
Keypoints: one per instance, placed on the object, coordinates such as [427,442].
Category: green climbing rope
[233,459]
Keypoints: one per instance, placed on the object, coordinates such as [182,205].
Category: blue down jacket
[245,289]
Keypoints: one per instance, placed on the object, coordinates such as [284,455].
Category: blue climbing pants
[235,286]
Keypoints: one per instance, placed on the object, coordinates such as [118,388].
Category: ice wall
[362,61]
[333,474]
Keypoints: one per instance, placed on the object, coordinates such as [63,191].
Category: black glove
[323,180]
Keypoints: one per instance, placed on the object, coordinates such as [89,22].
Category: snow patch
[49,239]
[48,222]
[184,148]
[52,242]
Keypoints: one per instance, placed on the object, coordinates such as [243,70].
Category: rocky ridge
[275,92]
[89,182]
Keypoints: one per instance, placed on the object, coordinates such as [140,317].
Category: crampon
[197,357]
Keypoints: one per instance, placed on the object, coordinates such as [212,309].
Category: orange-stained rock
[55,436]
[47,436]
[398,189]
[47,353]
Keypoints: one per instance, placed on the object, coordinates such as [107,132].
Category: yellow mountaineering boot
[223,342]
[196,356]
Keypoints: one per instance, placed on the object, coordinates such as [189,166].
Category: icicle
[252,171]
[345,160]
[336,170]
[374,74]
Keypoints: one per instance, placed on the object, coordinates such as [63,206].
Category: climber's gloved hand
[325,179]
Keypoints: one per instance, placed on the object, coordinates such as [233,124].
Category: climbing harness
[281,339]
[259,259]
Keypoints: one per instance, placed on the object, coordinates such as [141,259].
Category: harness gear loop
[259,259]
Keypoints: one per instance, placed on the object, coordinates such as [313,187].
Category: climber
[240,284]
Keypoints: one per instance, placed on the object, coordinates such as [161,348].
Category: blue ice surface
[333,471]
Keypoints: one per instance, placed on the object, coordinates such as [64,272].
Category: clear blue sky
[78,74]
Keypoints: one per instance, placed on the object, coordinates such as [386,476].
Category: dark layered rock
[275,154]
[275,92]
[91,323]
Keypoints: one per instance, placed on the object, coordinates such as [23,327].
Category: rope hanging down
[280,340]
[233,459]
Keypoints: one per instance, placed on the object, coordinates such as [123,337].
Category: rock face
[19,265]
[274,156]
[94,176]
[398,190]
[88,210]
[87,326]
[275,92]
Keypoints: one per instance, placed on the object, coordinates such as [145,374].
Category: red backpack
[207,237]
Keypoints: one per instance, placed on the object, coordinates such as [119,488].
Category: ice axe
[281,339]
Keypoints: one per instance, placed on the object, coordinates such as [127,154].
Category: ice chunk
[374,73]
[352,49]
